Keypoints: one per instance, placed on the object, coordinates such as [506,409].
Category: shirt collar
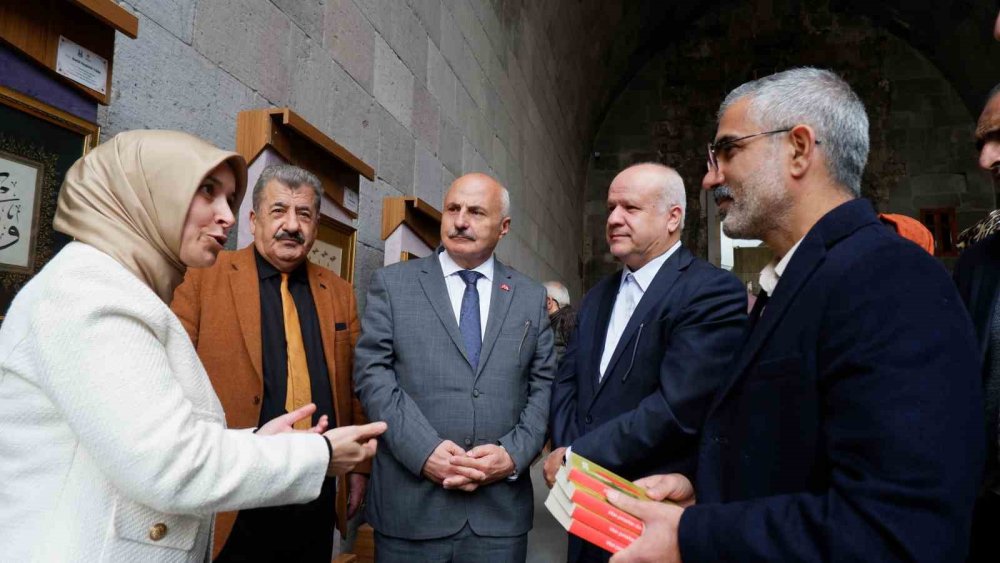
[449,267]
[771,273]
[644,275]
[267,270]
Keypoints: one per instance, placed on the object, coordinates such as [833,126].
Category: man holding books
[851,427]
[651,345]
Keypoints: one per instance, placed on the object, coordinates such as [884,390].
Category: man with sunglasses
[651,346]
[851,425]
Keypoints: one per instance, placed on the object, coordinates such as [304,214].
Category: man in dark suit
[275,332]
[851,427]
[456,355]
[977,275]
[651,345]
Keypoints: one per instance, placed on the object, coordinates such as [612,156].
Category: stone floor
[547,539]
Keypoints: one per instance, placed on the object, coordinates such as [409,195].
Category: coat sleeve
[698,349]
[526,439]
[411,438]
[902,422]
[99,355]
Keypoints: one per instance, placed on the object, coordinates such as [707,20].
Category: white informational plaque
[82,65]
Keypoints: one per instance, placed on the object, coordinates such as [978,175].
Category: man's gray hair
[818,98]
[557,292]
[671,190]
[504,202]
[289,175]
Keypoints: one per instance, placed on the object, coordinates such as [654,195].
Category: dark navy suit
[852,426]
[977,275]
[645,414]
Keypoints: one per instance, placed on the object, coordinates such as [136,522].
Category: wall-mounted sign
[82,65]
[351,200]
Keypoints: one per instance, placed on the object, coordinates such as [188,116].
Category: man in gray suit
[456,356]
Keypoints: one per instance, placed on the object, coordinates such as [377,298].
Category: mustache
[297,236]
[456,233]
[721,192]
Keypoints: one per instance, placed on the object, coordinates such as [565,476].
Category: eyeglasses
[715,148]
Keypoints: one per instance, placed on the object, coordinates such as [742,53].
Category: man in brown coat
[277,332]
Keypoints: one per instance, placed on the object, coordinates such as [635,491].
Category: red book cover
[585,532]
[580,529]
[606,511]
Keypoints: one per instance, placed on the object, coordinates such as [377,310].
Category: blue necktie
[468,318]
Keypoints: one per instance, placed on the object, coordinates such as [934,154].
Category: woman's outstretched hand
[284,422]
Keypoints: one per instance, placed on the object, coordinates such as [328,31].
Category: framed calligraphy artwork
[38,144]
[334,248]
[20,188]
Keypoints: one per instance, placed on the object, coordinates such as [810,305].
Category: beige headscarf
[129,198]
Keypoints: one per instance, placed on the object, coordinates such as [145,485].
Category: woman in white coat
[113,445]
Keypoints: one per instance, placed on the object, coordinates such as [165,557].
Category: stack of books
[579,502]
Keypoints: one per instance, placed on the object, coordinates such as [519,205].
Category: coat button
[589,419]
[468,441]
[157,531]
[256,399]
[475,392]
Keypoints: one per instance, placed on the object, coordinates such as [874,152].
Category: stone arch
[921,125]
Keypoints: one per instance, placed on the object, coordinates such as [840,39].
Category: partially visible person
[851,427]
[652,344]
[562,315]
[977,275]
[276,331]
[456,355]
[910,229]
[113,446]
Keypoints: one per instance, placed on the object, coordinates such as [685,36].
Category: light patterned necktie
[298,392]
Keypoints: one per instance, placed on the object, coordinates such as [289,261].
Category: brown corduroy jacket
[220,309]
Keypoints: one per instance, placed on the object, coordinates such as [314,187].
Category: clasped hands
[351,444]
[454,468]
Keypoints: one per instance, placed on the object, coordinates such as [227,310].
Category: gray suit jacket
[411,370]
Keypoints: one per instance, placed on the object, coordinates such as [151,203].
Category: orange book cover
[595,519]
[581,530]
[605,476]
[581,497]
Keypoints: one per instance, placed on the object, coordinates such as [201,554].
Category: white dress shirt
[633,287]
[456,287]
[771,273]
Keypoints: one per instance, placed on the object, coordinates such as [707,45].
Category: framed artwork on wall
[21,185]
[38,144]
[334,248]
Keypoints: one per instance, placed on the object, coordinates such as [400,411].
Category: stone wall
[423,90]
[921,132]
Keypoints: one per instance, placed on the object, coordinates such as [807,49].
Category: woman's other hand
[284,422]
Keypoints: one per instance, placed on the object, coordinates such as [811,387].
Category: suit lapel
[245,287]
[432,282]
[831,228]
[500,301]
[662,282]
[606,305]
[326,312]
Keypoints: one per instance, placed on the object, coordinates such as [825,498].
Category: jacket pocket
[138,523]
